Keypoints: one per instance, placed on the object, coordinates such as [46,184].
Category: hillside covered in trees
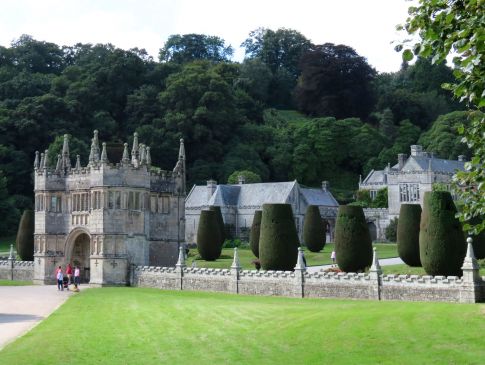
[290,110]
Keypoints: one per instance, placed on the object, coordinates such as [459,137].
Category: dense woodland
[290,110]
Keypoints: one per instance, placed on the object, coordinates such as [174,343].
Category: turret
[148,157]
[59,164]
[45,165]
[179,169]
[94,152]
[125,160]
[78,163]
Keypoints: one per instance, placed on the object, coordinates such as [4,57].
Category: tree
[335,81]
[455,27]
[314,229]
[353,244]
[209,236]
[191,47]
[408,234]
[25,236]
[255,232]
[249,177]
[278,240]
[220,223]
[391,230]
[442,244]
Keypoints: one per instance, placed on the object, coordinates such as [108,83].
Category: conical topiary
[314,235]
[209,236]
[278,240]
[353,244]
[442,246]
[255,232]
[220,222]
[25,236]
[408,234]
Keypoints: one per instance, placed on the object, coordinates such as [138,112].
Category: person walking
[333,256]
[60,279]
[69,273]
[77,276]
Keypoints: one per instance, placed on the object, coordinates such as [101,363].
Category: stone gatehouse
[108,215]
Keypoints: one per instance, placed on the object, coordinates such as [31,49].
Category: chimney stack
[416,150]
[325,185]
[241,179]
[211,188]
[401,159]
[462,158]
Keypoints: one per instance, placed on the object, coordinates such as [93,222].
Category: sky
[368,26]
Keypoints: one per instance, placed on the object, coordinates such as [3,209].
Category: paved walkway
[22,307]
[382,262]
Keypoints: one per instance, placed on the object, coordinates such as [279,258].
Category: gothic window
[166,205]
[111,200]
[117,199]
[137,201]
[131,200]
[153,204]
[409,192]
[373,194]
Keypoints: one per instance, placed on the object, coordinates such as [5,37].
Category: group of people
[69,274]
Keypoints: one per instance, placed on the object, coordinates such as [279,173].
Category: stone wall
[299,283]
[16,270]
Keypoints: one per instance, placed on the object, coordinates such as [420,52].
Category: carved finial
[470,262]
[375,262]
[104,154]
[142,154]
[66,161]
[36,160]
[11,256]
[42,162]
[94,153]
[360,179]
[148,157]
[78,162]
[46,159]
[182,150]
[126,156]
[300,262]
[235,262]
[181,260]
[59,163]
[135,150]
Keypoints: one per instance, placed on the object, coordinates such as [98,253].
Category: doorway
[372,231]
[80,256]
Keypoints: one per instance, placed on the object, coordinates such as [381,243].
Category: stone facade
[407,181]
[106,216]
[470,288]
[239,201]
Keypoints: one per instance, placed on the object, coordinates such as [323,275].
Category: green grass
[384,250]
[15,282]
[150,326]
[5,244]
[404,269]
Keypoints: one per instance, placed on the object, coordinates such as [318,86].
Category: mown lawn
[150,326]
[15,282]
[404,269]
[384,250]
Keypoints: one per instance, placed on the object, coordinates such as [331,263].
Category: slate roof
[318,197]
[375,177]
[251,195]
[423,163]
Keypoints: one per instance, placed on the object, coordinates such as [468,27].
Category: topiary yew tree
[408,234]
[255,232]
[314,234]
[220,222]
[25,236]
[209,236]
[353,244]
[442,246]
[278,240]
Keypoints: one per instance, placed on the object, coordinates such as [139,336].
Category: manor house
[238,203]
[106,216]
[406,182]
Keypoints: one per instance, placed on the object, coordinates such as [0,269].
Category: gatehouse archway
[78,252]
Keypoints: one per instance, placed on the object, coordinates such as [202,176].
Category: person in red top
[69,273]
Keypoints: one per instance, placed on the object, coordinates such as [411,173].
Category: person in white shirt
[60,279]
[77,276]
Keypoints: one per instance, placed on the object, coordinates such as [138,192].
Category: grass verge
[150,326]
[15,282]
